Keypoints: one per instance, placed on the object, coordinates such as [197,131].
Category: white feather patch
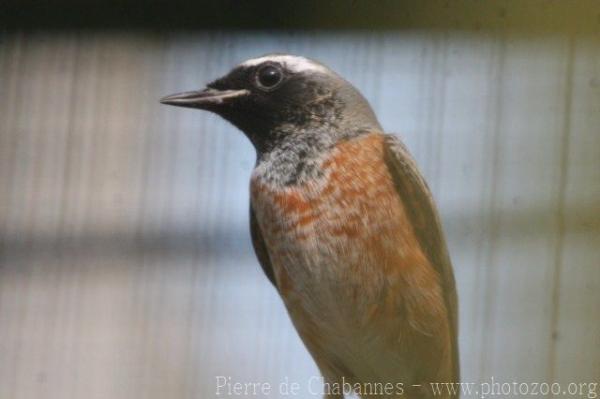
[292,62]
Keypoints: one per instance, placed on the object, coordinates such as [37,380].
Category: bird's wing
[260,248]
[424,218]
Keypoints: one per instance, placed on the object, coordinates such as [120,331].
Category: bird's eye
[268,77]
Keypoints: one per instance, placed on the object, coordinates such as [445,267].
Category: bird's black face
[272,97]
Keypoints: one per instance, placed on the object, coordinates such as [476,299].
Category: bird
[344,226]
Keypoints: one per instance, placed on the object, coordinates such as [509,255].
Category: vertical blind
[126,268]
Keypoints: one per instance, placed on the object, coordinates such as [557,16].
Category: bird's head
[275,96]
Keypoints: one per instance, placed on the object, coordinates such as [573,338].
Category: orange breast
[348,233]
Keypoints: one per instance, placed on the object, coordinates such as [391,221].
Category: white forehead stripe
[292,62]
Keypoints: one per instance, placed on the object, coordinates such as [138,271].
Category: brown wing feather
[260,248]
[418,202]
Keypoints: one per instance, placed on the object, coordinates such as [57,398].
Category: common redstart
[344,226]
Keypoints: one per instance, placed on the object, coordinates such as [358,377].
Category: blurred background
[126,269]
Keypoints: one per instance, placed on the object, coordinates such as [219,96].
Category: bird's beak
[203,99]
